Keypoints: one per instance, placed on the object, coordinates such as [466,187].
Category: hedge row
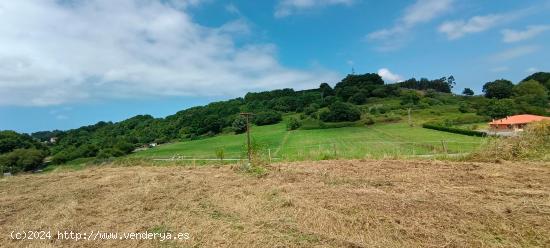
[454,130]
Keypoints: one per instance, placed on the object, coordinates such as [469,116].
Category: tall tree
[498,89]
[468,92]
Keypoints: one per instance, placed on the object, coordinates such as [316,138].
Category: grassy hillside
[379,140]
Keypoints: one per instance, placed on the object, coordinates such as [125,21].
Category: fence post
[334,148]
[269,154]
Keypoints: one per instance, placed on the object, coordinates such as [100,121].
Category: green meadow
[372,141]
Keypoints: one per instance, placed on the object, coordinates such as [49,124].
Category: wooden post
[247,116]
[269,154]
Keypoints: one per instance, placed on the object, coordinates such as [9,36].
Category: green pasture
[379,140]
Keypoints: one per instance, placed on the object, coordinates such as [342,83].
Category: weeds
[531,144]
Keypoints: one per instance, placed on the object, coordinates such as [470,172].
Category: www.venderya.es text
[98,235]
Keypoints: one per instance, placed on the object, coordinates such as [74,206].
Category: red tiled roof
[519,119]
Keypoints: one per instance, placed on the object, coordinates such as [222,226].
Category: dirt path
[309,204]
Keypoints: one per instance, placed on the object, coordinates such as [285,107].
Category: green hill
[331,122]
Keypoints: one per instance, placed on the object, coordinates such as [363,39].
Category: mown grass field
[379,140]
[358,203]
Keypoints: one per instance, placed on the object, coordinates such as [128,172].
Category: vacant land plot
[309,204]
[381,140]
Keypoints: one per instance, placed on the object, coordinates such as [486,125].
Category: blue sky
[68,63]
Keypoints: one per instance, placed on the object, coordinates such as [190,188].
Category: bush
[239,125]
[311,109]
[358,98]
[267,118]
[369,121]
[293,124]
[339,112]
[22,160]
[109,153]
[409,98]
[532,144]
[124,147]
[454,130]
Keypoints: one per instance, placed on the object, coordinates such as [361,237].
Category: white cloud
[421,11]
[389,76]
[532,70]
[510,35]
[513,53]
[425,10]
[53,53]
[476,24]
[288,7]
[459,28]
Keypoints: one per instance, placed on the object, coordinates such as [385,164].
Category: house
[514,123]
[53,140]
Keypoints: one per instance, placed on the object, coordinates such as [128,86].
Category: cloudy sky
[67,63]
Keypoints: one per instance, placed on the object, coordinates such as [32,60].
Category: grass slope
[395,139]
[386,203]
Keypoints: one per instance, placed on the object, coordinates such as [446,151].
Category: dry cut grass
[306,204]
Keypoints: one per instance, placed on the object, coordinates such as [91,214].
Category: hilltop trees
[325,90]
[468,92]
[353,84]
[444,84]
[498,89]
[541,77]
[530,87]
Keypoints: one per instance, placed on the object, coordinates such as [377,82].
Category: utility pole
[247,116]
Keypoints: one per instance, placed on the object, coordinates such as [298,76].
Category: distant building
[153,145]
[53,139]
[514,123]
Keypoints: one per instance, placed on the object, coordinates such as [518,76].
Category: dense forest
[341,103]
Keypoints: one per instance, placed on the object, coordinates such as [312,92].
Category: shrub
[293,124]
[267,118]
[239,125]
[339,112]
[369,121]
[358,98]
[311,109]
[532,144]
[22,160]
[410,98]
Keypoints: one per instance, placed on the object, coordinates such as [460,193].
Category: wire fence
[333,150]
